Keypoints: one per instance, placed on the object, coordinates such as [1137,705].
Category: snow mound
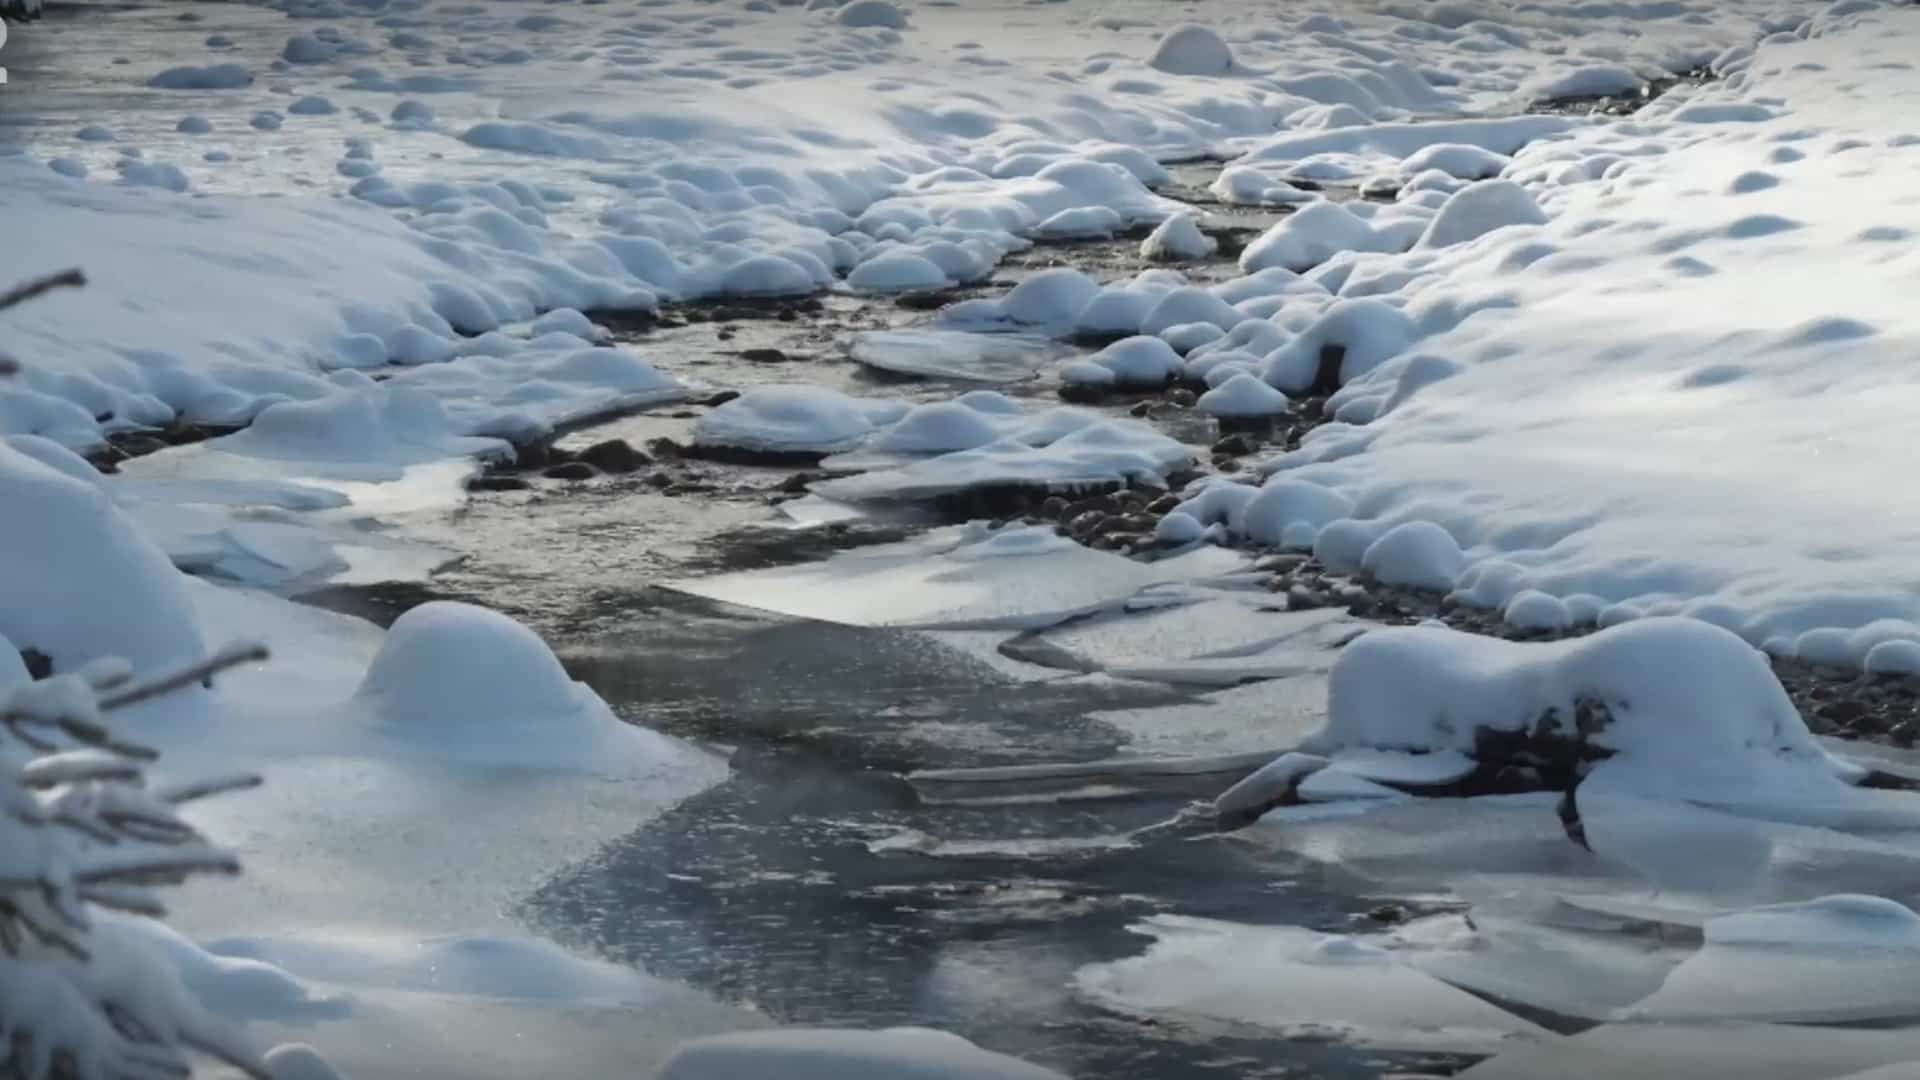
[1686,710]
[458,681]
[871,13]
[1177,239]
[1478,209]
[1417,554]
[1138,361]
[1458,160]
[1243,396]
[897,271]
[214,77]
[1309,237]
[1367,332]
[1191,50]
[1587,80]
[794,419]
[79,581]
[838,1054]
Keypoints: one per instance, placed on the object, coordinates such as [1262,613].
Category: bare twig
[231,656]
[20,294]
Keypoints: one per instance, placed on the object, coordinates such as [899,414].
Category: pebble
[495,482]
[569,470]
[764,356]
[614,456]
[720,398]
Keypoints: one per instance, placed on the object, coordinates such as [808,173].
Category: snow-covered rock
[1478,209]
[464,683]
[1135,361]
[871,13]
[1418,554]
[1191,50]
[1309,237]
[1177,239]
[1243,396]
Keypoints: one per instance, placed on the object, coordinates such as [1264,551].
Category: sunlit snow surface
[1593,370]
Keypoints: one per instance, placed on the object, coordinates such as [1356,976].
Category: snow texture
[834,1054]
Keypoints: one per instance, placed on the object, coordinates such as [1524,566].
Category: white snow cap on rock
[1688,710]
[871,13]
[1242,396]
[1176,239]
[839,1054]
[1309,237]
[1192,50]
[462,682]
[1478,209]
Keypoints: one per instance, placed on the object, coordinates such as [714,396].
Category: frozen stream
[749,290]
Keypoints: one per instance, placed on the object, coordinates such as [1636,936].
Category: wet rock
[1303,599]
[497,482]
[663,447]
[1052,508]
[614,456]
[533,455]
[1904,734]
[1237,445]
[1140,409]
[1081,394]
[660,480]
[1389,914]
[764,356]
[797,483]
[1182,397]
[720,398]
[1226,464]
[1281,563]
[39,665]
[569,470]
[1843,713]
[1165,504]
[1105,504]
[1086,524]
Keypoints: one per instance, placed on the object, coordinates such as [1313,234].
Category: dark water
[766,890]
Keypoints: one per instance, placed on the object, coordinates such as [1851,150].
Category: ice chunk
[834,1054]
[794,419]
[1296,982]
[957,578]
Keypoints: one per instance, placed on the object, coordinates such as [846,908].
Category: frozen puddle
[954,355]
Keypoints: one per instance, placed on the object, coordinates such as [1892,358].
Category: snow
[1191,50]
[1418,554]
[1575,387]
[461,681]
[1693,713]
[1135,361]
[794,419]
[1297,983]
[1177,239]
[871,13]
[1243,396]
[956,578]
[1309,237]
[838,1054]
[1478,209]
